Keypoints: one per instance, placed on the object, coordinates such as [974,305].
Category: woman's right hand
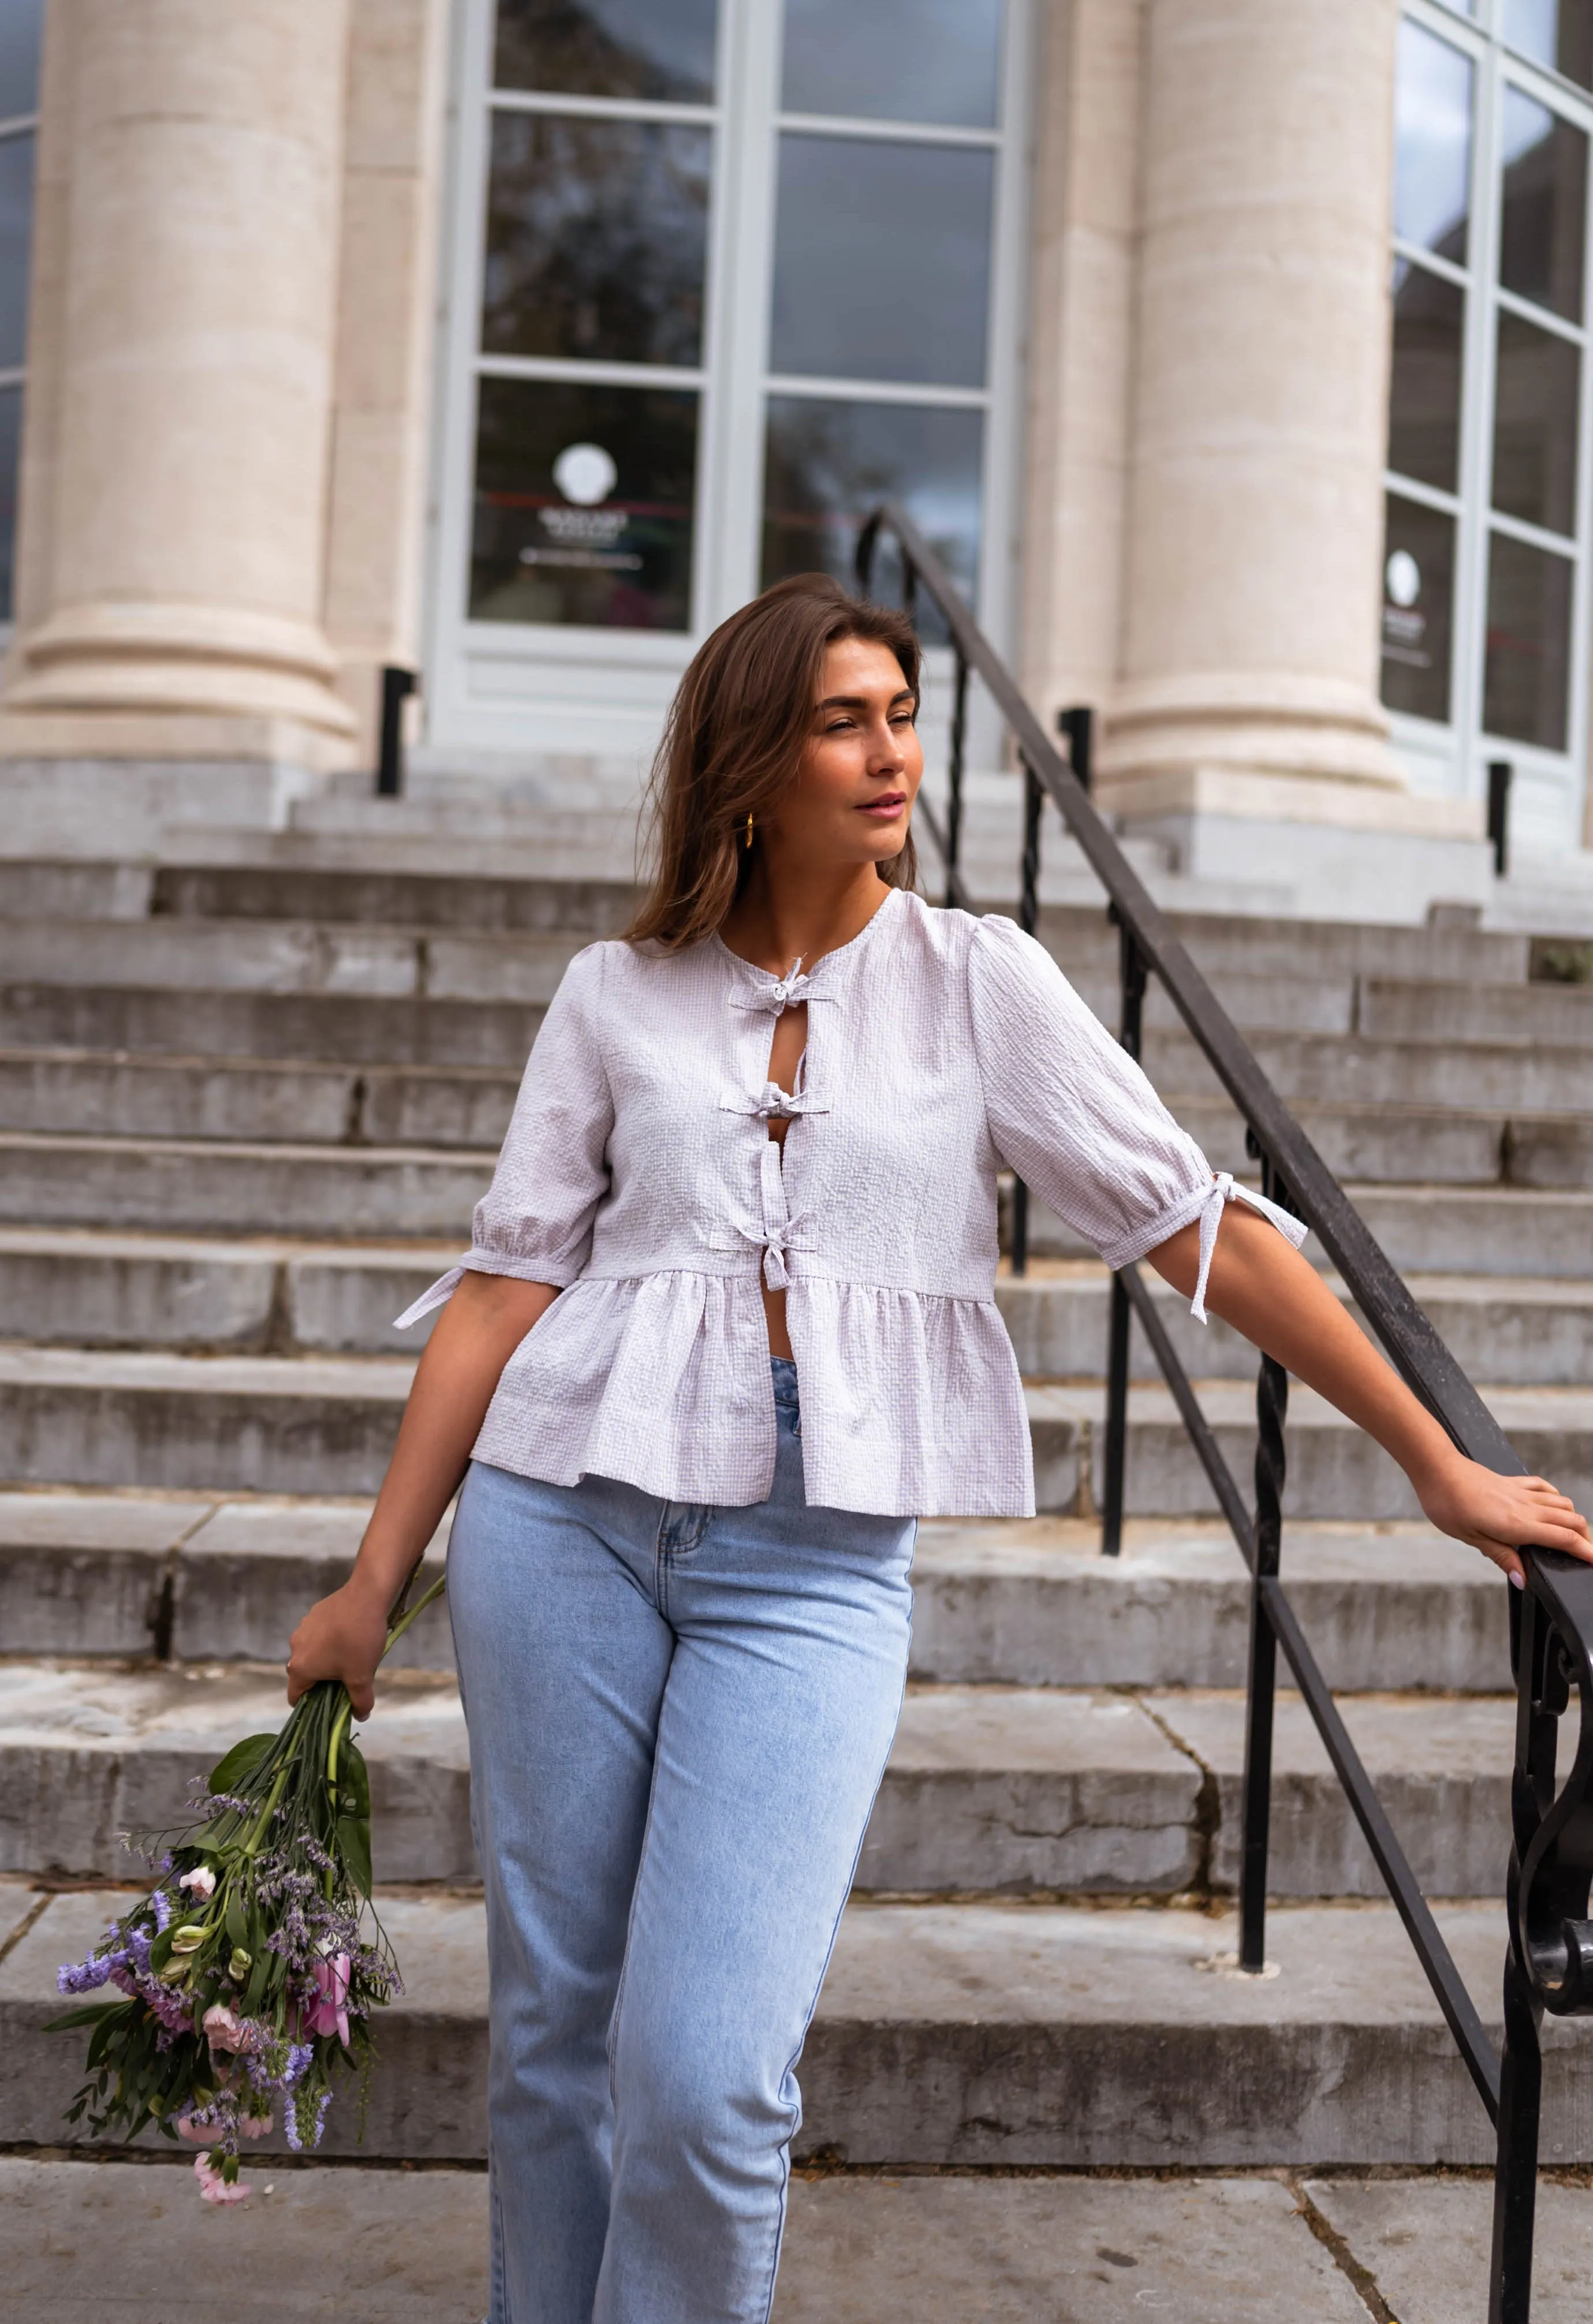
[342,1636]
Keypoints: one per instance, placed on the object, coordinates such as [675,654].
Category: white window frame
[502,698]
[1452,758]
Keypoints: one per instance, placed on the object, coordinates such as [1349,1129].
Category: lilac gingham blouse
[639,1176]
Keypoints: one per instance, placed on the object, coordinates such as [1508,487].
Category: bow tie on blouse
[789,993]
[1223,1191]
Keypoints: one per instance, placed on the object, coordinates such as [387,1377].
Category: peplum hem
[911,1403]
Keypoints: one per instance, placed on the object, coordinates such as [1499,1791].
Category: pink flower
[199,1882]
[195,2132]
[328,2013]
[223,2031]
[213,2187]
[253,2126]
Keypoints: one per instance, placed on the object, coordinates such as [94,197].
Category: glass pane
[1418,609]
[661,49]
[11,430]
[1557,33]
[1545,203]
[894,60]
[1433,143]
[1424,387]
[1536,426]
[583,504]
[596,236]
[16,233]
[881,260]
[20,25]
[830,463]
[1524,681]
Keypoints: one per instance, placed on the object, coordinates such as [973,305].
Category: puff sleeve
[535,1219]
[1074,1115]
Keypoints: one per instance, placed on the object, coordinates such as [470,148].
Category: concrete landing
[78,2240]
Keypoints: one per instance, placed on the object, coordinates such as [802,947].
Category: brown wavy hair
[734,740]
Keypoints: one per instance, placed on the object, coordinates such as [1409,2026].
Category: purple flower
[163,1910]
[84,1977]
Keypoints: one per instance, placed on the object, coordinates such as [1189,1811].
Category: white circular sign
[585,474]
[1402,576]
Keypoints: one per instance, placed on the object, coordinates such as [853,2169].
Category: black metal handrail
[1550,1962]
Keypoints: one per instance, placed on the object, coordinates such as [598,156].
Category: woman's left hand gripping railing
[248,1978]
[1549,1963]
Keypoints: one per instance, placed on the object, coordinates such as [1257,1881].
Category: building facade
[1233,351]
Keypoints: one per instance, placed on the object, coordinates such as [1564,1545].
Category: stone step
[1334,1469]
[1424,1228]
[1329,1069]
[1023,1603]
[477,907]
[1555,1016]
[326,1425]
[349,1029]
[975,2035]
[281,956]
[211,1187]
[989,1790]
[86,1289]
[73,1093]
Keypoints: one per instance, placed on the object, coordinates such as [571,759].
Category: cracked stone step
[326,1425]
[89,1289]
[1428,1230]
[989,1790]
[971,2035]
[1025,1602]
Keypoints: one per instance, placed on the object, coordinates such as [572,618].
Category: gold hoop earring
[749,831]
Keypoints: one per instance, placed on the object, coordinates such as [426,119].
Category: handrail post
[1028,920]
[1120,1316]
[397,686]
[958,749]
[1075,726]
[1515,2168]
[1271,1406]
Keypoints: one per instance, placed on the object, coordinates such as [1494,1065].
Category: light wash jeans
[679,1719]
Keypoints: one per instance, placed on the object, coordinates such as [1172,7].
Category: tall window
[20,29]
[726,273]
[1485,598]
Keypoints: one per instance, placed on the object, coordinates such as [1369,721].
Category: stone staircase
[245,1108]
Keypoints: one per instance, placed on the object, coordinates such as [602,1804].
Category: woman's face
[861,764]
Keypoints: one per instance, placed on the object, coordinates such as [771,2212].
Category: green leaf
[354,1784]
[237,1927]
[241,1761]
[256,1985]
[90,2014]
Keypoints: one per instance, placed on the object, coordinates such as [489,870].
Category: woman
[757,1150]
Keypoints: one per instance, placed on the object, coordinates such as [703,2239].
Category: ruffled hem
[911,1403]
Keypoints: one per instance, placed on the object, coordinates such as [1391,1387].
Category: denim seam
[824,1972]
[625,1964]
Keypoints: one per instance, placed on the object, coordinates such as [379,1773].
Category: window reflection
[657,49]
[1557,33]
[1524,679]
[584,505]
[596,239]
[882,256]
[828,463]
[1418,608]
[21,25]
[11,428]
[17,228]
[1424,390]
[1535,401]
[894,60]
[1542,221]
[1433,143]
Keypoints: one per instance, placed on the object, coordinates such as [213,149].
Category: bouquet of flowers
[248,1979]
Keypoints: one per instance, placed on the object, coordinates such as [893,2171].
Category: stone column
[171,566]
[1250,627]
[386,345]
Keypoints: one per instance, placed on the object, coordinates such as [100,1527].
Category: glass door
[722,273]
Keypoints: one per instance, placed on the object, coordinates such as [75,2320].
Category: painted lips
[891,804]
